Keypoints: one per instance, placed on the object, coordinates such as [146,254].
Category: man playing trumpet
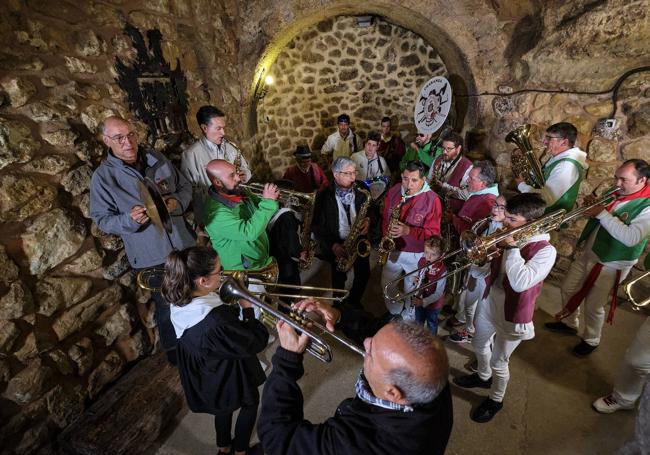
[614,238]
[418,211]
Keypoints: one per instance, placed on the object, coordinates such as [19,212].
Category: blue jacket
[114,192]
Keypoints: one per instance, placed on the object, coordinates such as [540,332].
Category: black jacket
[356,428]
[217,361]
[326,219]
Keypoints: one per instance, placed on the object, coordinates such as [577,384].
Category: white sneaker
[608,404]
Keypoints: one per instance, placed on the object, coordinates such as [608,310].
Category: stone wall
[71,318]
[337,66]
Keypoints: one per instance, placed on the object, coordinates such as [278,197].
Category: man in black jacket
[335,213]
[402,403]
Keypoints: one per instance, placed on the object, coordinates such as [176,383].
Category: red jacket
[306,182]
[475,208]
[422,213]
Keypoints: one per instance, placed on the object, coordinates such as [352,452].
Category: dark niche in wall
[155,92]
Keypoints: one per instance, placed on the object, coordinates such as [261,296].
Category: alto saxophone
[353,245]
[308,244]
[387,244]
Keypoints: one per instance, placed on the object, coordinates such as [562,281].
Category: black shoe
[486,411]
[560,327]
[472,380]
[583,349]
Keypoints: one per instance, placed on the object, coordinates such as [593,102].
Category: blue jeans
[429,315]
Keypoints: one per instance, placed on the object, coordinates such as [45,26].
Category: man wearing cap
[420,150]
[343,142]
[306,176]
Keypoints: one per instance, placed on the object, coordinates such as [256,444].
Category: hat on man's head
[302,151]
[343,118]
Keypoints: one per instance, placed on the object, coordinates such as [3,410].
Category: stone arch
[460,73]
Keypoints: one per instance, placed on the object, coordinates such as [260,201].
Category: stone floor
[547,409]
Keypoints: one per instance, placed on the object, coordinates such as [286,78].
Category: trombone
[476,250]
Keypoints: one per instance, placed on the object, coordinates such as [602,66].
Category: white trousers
[598,296]
[469,299]
[400,262]
[635,368]
[493,356]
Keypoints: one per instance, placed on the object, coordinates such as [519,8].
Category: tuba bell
[524,161]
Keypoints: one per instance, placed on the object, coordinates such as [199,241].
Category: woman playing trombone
[217,349]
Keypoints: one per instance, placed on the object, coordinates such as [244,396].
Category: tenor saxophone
[306,241]
[353,245]
[387,244]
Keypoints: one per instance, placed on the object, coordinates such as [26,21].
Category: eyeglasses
[449,149]
[421,135]
[120,138]
[550,138]
[348,174]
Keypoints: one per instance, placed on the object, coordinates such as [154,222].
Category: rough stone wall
[71,318]
[336,67]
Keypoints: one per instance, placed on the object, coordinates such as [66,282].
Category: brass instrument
[629,286]
[265,276]
[524,161]
[232,291]
[604,198]
[297,199]
[392,289]
[353,245]
[237,161]
[387,244]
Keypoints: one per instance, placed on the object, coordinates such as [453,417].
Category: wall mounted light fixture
[262,86]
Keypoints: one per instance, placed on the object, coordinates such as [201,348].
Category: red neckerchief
[643,192]
[236,198]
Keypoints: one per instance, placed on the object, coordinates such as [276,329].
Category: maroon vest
[454,179]
[519,306]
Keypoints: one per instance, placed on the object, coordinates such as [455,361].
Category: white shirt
[369,169]
[562,177]
[336,145]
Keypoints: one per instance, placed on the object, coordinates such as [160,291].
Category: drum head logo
[432,105]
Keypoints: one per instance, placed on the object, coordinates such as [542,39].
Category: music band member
[472,294]
[402,402]
[343,142]
[563,172]
[306,175]
[212,146]
[391,147]
[482,191]
[429,301]
[217,350]
[506,319]
[449,172]
[236,220]
[335,214]
[117,208]
[419,218]
[420,150]
[614,238]
[369,164]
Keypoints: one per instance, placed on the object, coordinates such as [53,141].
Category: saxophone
[387,244]
[306,241]
[353,245]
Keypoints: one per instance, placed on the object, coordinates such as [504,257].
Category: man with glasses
[335,212]
[420,213]
[420,150]
[563,172]
[450,171]
[117,208]
[614,239]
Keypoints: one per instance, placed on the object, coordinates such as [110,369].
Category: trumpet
[232,291]
[287,197]
[637,305]
[266,276]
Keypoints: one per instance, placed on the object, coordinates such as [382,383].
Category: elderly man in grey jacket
[117,208]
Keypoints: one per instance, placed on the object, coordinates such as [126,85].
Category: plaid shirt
[365,394]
